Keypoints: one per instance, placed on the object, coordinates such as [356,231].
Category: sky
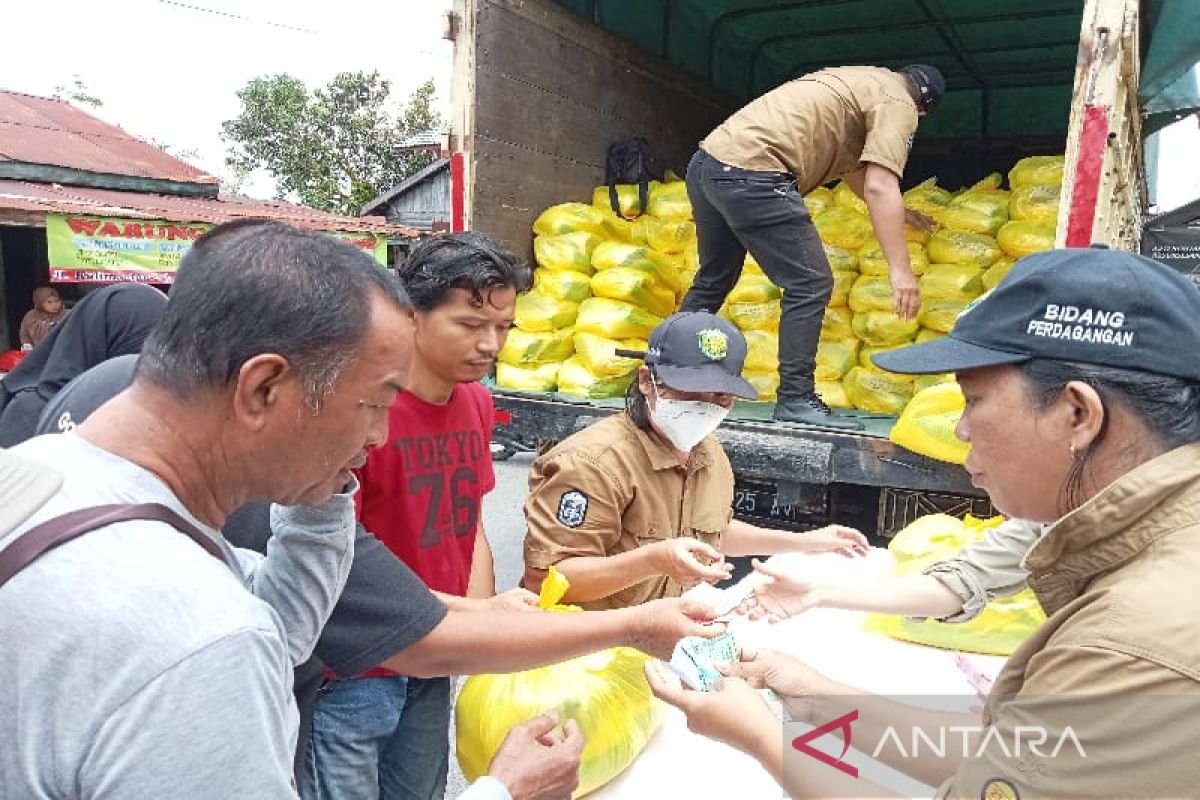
[169,70]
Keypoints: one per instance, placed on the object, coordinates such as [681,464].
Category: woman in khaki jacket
[1082,391]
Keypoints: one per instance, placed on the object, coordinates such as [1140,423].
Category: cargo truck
[541,87]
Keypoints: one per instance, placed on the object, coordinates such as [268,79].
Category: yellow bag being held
[605,693]
[927,424]
[999,629]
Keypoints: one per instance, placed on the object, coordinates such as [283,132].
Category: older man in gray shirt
[132,657]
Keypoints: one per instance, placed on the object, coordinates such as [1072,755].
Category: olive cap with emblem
[694,351]
[1087,305]
[24,487]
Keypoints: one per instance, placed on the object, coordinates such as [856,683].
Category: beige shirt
[1118,659]
[822,126]
[612,488]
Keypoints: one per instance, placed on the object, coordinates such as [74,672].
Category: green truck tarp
[1009,66]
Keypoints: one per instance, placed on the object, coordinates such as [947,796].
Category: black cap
[930,83]
[1091,306]
[694,351]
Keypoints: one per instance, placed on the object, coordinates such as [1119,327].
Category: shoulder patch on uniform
[999,789]
[572,508]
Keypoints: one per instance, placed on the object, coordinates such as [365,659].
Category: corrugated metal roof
[45,198]
[39,130]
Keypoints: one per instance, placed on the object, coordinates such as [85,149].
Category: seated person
[638,506]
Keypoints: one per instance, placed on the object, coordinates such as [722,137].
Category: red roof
[53,197]
[39,130]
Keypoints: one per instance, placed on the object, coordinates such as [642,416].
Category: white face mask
[685,423]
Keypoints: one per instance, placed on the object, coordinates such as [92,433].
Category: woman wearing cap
[1083,410]
[639,505]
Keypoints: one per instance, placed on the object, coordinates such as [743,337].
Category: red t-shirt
[422,492]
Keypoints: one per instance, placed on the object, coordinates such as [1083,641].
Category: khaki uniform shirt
[612,488]
[1118,659]
[822,126]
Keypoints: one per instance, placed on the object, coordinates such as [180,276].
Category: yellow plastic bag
[574,378]
[691,257]
[762,351]
[940,314]
[883,328]
[868,353]
[564,284]
[628,198]
[928,198]
[976,212]
[989,183]
[636,231]
[610,255]
[642,289]
[923,382]
[598,354]
[535,378]
[1024,237]
[571,218]
[605,693]
[995,273]
[842,227]
[753,316]
[872,262]
[751,267]
[765,383]
[843,283]
[960,247]
[836,324]
[844,197]
[752,288]
[566,251]
[877,392]
[818,200]
[614,319]
[927,424]
[951,282]
[871,293]
[832,393]
[841,259]
[524,349]
[537,312]
[998,630]
[928,335]
[835,358]
[670,235]
[1037,171]
[670,200]
[1036,203]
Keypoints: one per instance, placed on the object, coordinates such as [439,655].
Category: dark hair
[636,404]
[468,261]
[258,286]
[1169,407]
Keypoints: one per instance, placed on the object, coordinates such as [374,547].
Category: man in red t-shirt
[381,734]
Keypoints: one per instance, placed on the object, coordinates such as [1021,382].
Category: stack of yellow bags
[602,282]
[1033,210]
[753,306]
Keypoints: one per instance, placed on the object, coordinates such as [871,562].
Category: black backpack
[631,161]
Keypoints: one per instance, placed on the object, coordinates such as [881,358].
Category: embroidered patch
[999,789]
[572,508]
[714,343]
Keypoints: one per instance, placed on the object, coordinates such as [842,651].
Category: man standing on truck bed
[747,181]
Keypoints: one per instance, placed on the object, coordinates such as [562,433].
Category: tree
[334,148]
[78,93]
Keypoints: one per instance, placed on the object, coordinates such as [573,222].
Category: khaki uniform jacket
[1118,659]
[822,126]
[612,488]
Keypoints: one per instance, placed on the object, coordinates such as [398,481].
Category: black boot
[810,409]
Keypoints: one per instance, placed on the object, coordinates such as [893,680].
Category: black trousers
[738,210]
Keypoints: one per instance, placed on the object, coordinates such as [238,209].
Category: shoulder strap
[40,539]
